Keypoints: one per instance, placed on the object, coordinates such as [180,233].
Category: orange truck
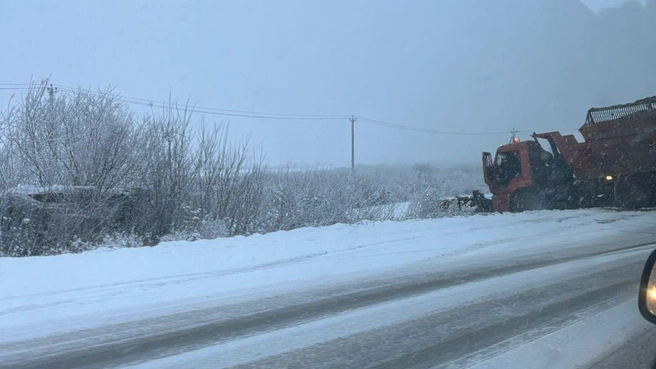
[614,166]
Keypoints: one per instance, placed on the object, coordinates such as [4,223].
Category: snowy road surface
[551,289]
[637,353]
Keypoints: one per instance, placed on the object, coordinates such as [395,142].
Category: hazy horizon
[465,67]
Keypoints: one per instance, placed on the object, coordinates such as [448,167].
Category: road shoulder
[637,353]
[579,344]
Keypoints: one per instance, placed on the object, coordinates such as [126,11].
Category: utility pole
[353,119]
[513,137]
[51,91]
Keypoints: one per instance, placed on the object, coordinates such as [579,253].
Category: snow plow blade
[477,200]
[482,204]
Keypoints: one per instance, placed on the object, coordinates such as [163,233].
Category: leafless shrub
[78,171]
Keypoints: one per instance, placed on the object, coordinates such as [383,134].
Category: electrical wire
[223,112]
[201,109]
[259,115]
[427,130]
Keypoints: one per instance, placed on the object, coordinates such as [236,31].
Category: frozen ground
[551,289]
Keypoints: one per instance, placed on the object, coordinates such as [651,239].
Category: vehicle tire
[525,201]
[633,193]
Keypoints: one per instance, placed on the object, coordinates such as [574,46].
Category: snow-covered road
[551,289]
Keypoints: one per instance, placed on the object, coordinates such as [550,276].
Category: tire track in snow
[106,292]
[161,336]
[467,334]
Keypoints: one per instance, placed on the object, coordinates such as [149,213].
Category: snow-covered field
[68,294]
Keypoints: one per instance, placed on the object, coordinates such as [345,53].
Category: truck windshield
[508,167]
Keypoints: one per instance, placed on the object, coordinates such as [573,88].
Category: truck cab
[520,175]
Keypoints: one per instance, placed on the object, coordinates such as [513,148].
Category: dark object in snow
[37,219]
[482,204]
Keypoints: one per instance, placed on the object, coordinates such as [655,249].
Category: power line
[202,109]
[223,112]
[264,115]
[211,112]
[427,130]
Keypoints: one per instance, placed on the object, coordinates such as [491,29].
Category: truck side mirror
[647,292]
[488,166]
[546,156]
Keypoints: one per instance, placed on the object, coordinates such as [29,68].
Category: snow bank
[38,294]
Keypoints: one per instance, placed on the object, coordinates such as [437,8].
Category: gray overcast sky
[467,66]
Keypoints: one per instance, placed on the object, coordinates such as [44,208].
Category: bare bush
[168,170]
[231,184]
[86,143]
[322,197]
[78,171]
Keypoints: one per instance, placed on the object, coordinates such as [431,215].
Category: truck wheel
[525,201]
[632,193]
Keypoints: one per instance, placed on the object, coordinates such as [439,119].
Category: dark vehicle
[614,166]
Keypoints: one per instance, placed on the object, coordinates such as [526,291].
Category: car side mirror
[647,292]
